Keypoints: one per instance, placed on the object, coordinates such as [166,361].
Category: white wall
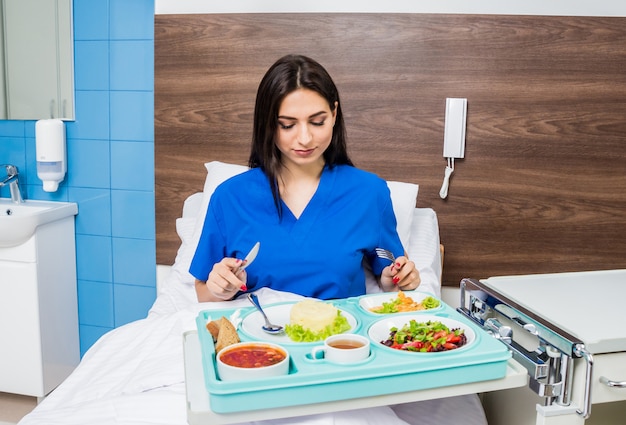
[527,7]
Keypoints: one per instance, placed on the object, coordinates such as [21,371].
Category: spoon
[270,328]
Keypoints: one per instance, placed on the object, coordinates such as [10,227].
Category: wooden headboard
[542,187]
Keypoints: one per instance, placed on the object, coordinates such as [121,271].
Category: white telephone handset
[453,138]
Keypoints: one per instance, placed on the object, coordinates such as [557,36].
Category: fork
[386,254]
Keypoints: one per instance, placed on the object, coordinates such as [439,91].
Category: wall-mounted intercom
[453,138]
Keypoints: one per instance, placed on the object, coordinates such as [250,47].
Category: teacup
[343,348]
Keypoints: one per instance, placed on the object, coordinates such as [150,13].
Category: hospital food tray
[387,371]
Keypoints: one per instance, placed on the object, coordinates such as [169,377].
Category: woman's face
[305,127]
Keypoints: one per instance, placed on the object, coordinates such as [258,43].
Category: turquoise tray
[386,371]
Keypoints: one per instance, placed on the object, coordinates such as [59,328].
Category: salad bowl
[427,326]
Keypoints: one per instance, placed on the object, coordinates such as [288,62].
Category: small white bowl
[231,372]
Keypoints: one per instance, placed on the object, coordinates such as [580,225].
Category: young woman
[316,216]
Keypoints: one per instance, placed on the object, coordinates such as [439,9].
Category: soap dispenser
[51,153]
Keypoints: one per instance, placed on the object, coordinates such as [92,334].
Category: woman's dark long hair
[290,73]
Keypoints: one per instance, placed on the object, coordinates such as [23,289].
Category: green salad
[403,303]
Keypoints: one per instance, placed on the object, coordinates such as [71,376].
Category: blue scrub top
[317,255]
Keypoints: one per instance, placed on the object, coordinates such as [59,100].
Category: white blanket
[135,375]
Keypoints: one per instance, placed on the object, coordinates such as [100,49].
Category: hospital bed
[135,374]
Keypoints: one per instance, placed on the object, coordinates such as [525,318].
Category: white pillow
[185,227]
[424,249]
[403,198]
[193,205]
[218,172]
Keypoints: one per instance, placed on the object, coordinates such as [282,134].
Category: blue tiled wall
[110,148]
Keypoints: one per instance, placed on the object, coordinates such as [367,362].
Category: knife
[250,257]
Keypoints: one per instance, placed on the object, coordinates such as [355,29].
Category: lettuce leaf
[430,302]
[299,334]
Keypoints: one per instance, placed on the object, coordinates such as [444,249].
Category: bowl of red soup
[251,360]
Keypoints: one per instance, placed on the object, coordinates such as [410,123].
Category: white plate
[370,301]
[379,330]
[279,315]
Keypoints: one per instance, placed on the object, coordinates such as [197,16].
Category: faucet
[11,180]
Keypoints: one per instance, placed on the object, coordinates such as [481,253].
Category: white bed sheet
[135,375]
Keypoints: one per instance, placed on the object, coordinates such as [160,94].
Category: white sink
[18,222]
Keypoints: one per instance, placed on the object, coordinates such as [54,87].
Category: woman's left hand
[400,275]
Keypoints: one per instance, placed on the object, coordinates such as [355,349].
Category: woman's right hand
[222,283]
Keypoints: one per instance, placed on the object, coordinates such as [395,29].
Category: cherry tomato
[440,334]
[414,344]
[453,338]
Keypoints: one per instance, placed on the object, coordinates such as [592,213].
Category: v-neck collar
[300,227]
